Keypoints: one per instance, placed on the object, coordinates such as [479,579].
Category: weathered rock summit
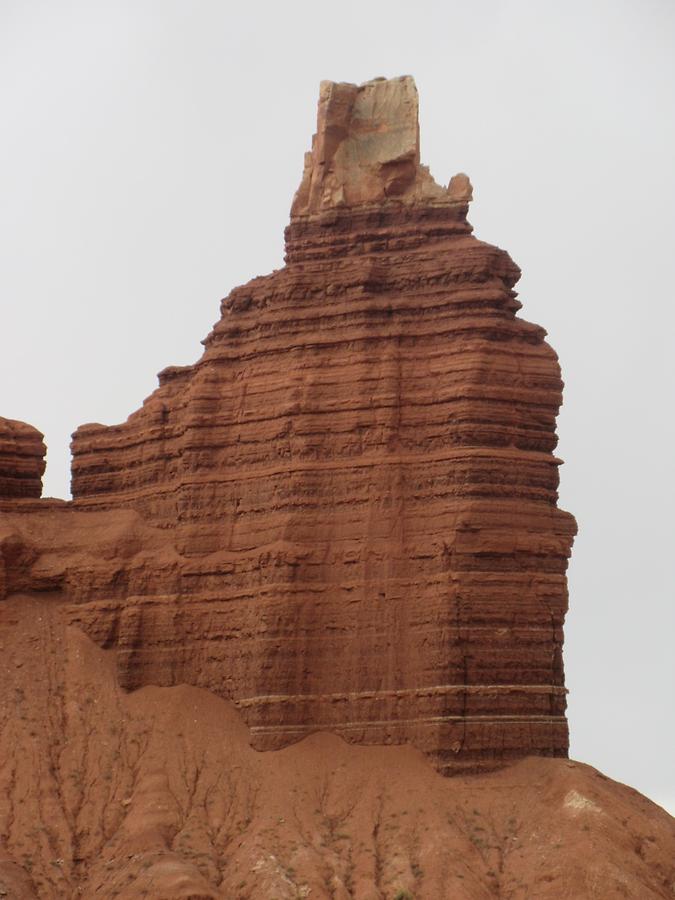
[366,151]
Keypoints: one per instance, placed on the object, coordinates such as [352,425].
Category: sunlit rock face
[352,494]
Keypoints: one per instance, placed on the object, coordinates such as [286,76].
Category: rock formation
[358,475]
[366,151]
[157,794]
[22,464]
[341,519]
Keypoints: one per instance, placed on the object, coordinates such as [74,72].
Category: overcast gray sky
[148,155]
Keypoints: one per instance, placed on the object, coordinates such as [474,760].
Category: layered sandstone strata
[357,477]
[22,460]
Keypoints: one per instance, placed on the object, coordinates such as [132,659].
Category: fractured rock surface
[366,150]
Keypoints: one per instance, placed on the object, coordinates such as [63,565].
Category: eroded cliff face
[356,482]
[22,462]
[342,518]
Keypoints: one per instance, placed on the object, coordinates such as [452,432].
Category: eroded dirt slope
[157,793]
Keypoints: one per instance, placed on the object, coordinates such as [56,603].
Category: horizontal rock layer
[358,477]
[22,460]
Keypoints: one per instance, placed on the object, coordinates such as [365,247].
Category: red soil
[158,794]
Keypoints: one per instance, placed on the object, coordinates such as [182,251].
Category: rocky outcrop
[357,478]
[22,460]
[341,519]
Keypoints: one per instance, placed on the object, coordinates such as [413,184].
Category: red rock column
[22,460]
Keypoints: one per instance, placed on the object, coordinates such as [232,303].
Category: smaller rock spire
[366,150]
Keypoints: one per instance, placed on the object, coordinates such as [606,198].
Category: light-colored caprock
[366,150]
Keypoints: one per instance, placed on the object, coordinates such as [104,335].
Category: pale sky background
[149,152]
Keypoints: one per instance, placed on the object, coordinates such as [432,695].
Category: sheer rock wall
[352,494]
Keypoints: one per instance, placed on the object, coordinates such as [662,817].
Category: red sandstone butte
[22,464]
[357,477]
[341,519]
